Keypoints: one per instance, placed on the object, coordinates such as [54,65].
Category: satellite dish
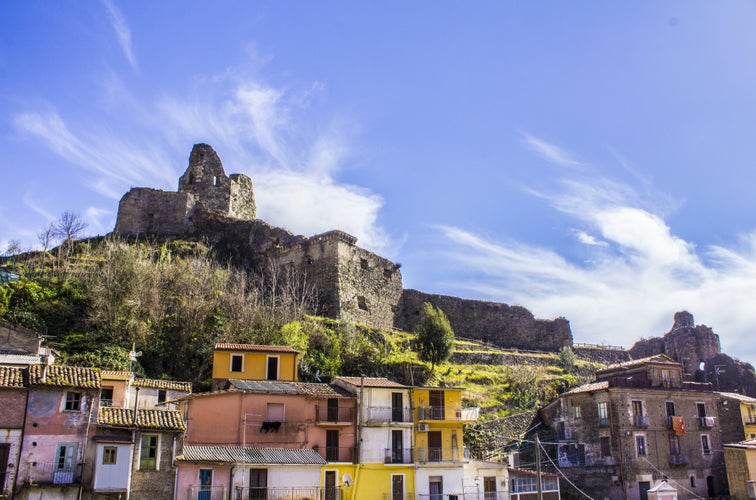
[347,479]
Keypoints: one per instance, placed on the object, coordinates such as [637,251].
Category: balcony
[398,455]
[336,454]
[208,492]
[678,459]
[57,472]
[603,422]
[480,495]
[407,496]
[706,422]
[343,415]
[438,455]
[640,421]
[287,493]
[442,413]
[387,415]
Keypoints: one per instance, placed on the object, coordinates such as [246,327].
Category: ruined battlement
[351,283]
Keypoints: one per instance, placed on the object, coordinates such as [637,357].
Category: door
[4,452]
[258,484]
[396,407]
[436,487]
[332,445]
[437,405]
[489,488]
[397,443]
[331,491]
[333,410]
[273,368]
[434,446]
[710,487]
[397,487]
[205,484]
[65,462]
[644,486]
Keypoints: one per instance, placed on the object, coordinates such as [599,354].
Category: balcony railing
[340,415]
[208,492]
[336,454]
[706,422]
[292,493]
[443,413]
[53,473]
[603,422]
[398,455]
[407,496]
[385,415]
[479,495]
[678,459]
[431,413]
[427,455]
[640,420]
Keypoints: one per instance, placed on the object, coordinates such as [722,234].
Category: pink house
[264,436]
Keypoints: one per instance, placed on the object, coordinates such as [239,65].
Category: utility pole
[538,467]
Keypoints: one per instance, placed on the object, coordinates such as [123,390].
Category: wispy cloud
[122,31]
[634,272]
[550,152]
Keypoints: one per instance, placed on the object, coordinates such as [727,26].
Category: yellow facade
[255,364]
[375,481]
[434,420]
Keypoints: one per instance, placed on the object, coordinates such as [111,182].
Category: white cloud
[635,275]
[549,151]
[122,31]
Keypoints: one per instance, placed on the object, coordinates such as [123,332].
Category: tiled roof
[658,358]
[254,347]
[325,390]
[11,377]
[163,384]
[514,471]
[64,376]
[152,419]
[115,375]
[749,443]
[593,386]
[371,382]
[739,397]
[258,456]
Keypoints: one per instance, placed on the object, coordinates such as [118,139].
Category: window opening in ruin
[362,303]
[191,178]
[364,264]
[215,180]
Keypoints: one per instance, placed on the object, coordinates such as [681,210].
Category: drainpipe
[92,402]
[619,442]
[21,445]
[358,434]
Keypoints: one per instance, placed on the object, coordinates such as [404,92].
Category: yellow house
[740,462]
[738,415]
[253,362]
[439,449]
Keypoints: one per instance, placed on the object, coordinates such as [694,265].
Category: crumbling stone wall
[146,212]
[492,322]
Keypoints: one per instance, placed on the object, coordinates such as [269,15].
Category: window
[73,401]
[705,444]
[665,378]
[275,412]
[674,445]
[603,410]
[109,454]
[606,446]
[148,452]
[106,396]
[364,264]
[161,395]
[701,409]
[524,484]
[692,481]
[637,408]
[397,487]
[576,410]
[237,362]
[640,442]
[272,368]
[436,487]
[362,303]
[437,405]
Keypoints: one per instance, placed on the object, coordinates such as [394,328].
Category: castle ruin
[352,283]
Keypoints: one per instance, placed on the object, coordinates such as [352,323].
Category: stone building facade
[350,283]
[639,423]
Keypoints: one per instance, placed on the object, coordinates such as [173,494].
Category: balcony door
[65,463]
[258,484]
[331,491]
[437,405]
[397,487]
[397,443]
[396,407]
[436,487]
[205,484]
[332,445]
[434,446]
[333,410]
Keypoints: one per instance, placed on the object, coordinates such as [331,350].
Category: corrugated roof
[18,359]
[65,376]
[257,456]
[739,397]
[152,419]
[11,377]
[172,385]
[658,358]
[593,386]
[265,386]
[371,382]
[254,347]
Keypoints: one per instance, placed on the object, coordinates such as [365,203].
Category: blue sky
[586,159]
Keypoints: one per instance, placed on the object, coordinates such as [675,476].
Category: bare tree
[69,226]
[46,236]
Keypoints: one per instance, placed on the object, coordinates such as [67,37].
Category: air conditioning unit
[422,427]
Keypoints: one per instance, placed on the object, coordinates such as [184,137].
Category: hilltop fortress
[352,283]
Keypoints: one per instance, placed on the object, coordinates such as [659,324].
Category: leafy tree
[435,337]
[567,359]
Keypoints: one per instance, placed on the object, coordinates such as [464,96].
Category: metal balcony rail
[640,420]
[385,415]
[603,422]
[442,413]
[678,459]
[288,493]
[406,496]
[336,454]
[706,422]
[208,492]
[58,472]
[426,455]
[398,455]
[342,414]
[479,495]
